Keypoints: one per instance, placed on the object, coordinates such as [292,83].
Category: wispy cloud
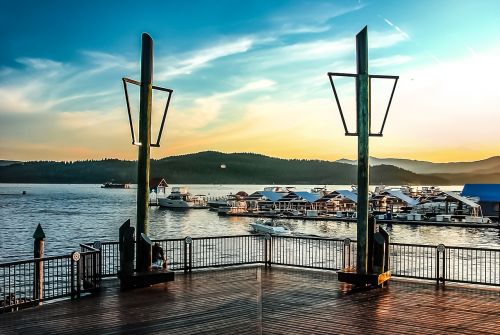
[39,63]
[188,62]
[292,29]
[319,13]
[207,110]
[399,30]
[103,61]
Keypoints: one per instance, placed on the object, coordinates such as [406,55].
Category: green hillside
[206,168]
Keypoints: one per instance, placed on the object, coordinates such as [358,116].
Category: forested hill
[219,168]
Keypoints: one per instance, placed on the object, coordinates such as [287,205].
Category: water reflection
[71,214]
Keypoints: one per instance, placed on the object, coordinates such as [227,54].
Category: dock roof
[271,196]
[400,195]
[308,196]
[348,194]
[485,192]
[462,199]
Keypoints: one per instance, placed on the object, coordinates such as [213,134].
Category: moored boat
[180,198]
[268,227]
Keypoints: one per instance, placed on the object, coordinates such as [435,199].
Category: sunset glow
[249,77]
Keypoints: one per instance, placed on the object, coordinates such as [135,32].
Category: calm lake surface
[73,214]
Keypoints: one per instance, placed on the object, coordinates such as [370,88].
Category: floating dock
[388,222]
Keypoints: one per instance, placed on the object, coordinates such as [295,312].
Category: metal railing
[470,265]
[30,282]
[430,262]
[308,252]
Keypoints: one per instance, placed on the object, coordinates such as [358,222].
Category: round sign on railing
[76,256]
[97,244]
[440,247]
[188,240]
[267,236]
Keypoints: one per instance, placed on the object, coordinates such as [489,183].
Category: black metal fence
[430,262]
[30,282]
[33,281]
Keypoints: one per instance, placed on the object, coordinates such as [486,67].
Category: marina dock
[388,222]
[253,300]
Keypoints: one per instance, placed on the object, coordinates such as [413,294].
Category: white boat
[180,198]
[262,226]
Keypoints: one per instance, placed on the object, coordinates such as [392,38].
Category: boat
[235,203]
[114,185]
[262,226]
[180,198]
[216,202]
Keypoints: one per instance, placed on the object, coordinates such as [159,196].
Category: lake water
[72,214]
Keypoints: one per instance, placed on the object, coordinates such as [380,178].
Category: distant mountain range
[485,166]
[212,167]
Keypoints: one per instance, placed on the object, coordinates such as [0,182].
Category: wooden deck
[255,300]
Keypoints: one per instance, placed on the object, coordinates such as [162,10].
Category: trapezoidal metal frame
[168,90]
[371,76]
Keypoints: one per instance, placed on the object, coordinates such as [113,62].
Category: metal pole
[363,129]
[144,148]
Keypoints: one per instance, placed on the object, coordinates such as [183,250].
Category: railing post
[190,255]
[346,254]
[75,259]
[185,256]
[98,274]
[270,250]
[72,274]
[38,249]
[267,250]
[440,272]
[188,260]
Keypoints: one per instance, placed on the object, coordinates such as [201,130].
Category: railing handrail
[34,260]
[446,246]
[88,246]
[313,238]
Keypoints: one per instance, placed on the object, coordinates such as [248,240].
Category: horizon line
[255,153]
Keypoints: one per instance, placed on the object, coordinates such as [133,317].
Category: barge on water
[114,185]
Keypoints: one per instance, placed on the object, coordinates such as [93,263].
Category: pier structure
[363,129]
[143,162]
[256,284]
[143,252]
[372,245]
[255,300]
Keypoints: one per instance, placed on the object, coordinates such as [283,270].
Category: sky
[249,76]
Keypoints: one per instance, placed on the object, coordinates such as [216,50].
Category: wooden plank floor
[255,300]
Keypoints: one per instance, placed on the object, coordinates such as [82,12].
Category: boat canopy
[400,195]
[466,201]
[348,194]
[485,192]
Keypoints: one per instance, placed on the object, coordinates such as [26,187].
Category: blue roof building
[485,192]
[489,197]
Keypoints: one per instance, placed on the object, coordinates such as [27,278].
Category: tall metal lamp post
[143,167]
[372,247]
